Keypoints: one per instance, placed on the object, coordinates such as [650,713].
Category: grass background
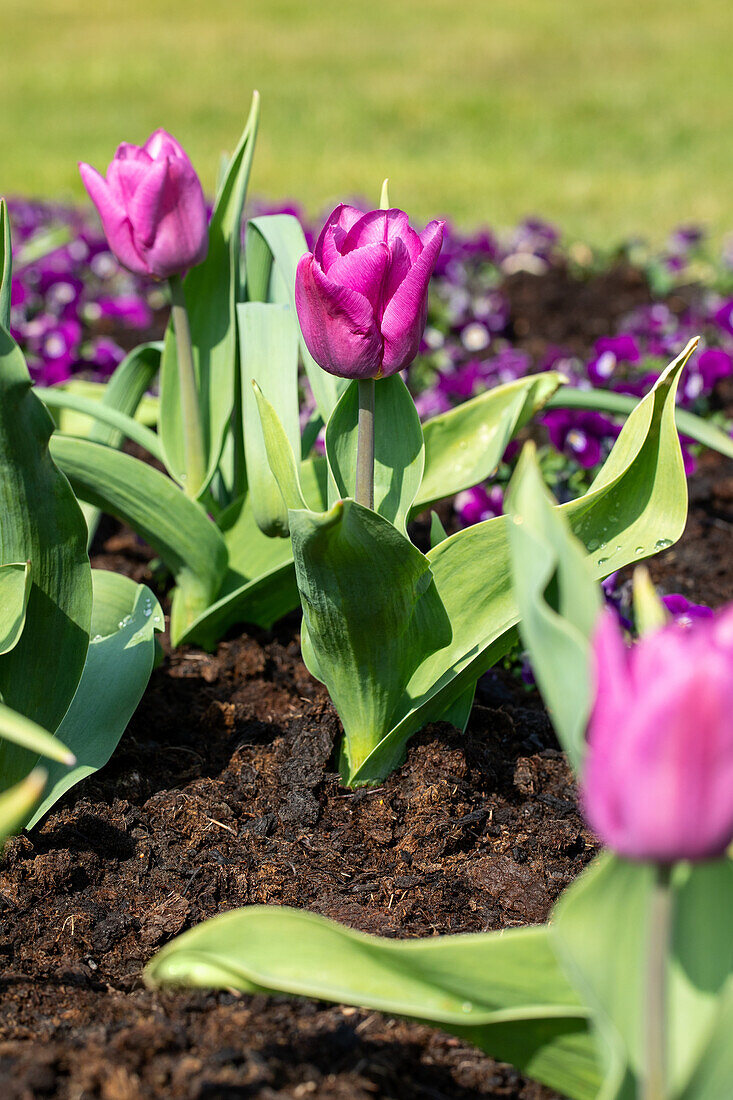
[612,117]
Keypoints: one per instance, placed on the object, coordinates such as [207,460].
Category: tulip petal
[404,317]
[162,144]
[115,222]
[333,234]
[338,324]
[383,225]
[364,270]
[124,176]
[168,213]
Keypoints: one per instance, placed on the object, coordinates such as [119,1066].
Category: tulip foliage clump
[400,637]
[76,644]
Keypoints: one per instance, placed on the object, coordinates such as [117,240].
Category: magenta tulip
[362,294]
[152,207]
[658,779]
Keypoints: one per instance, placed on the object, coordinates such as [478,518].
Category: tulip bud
[658,779]
[152,207]
[362,294]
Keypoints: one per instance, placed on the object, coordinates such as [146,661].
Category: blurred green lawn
[611,116]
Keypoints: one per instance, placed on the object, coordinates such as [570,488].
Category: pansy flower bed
[325,639]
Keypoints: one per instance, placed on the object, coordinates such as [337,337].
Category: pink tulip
[658,780]
[152,207]
[362,294]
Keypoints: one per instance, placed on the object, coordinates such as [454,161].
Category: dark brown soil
[223,793]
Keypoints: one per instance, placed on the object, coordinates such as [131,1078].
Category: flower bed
[223,791]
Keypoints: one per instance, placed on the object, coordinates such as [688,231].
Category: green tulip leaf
[650,614]
[600,931]
[502,991]
[279,451]
[398,448]
[269,356]
[211,291]
[465,445]
[176,527]
[40,522]
[118,423]
[558,599]
[371,614]
[15,586]
[119,662]
[19,730]
[6,266]
[286,243]
[636,506]
[259,586]
[17,803]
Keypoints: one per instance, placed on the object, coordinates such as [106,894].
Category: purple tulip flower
[658,779]
[362,294]
[152,207]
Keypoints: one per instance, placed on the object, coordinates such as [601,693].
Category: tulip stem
[364,493]
[193,434]
[660,931]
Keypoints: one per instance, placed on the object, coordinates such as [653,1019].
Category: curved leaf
[399,454]
[176,527]
[503,991]
[40,522]
[259,586]
[15,586]
[371,613]
[18,802]
[6,265]
[465,445]
[268,356]
[636,506]
[29,735]
[558,599]
[118,666]
[211,291]
[118,422]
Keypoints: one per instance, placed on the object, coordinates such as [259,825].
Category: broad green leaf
[465,445]
[176,527]
[212,292]
[40,522]
[636,506]
[558,599]
[29,735]
[459,711]
[284,238]
[714,1072]
[503,991]
[6,265]
[398,448]
[17,803]
[437,530]
[119,662]
[280,454]
[125,392]
[15,586]
[600,931]
[259,586]
[371,613]
[268,354]
[118,422]
[702,431]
